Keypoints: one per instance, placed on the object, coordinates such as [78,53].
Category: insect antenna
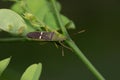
[79,32]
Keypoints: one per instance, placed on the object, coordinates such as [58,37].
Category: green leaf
[44,11]
[70,24]
[51,17]
[12,23]
[33,72]
[3,64]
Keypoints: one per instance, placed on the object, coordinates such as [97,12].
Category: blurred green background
[100,43]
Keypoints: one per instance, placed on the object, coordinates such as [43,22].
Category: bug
[46,36]
[49,36]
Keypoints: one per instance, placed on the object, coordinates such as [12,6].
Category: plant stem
[12,39]
[71,43]
[60,22]
[85,60]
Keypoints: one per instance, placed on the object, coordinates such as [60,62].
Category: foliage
[44,12]
[3,64]
[31,15]
[33,72]
[13,23]
[27,21]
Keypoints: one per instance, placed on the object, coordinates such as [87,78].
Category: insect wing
[41,36]
[34,35]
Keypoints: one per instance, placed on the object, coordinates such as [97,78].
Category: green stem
[74,46]
[85,60]
[60,22]
[12,39]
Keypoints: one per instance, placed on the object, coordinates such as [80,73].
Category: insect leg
[56,45]
[65,46]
